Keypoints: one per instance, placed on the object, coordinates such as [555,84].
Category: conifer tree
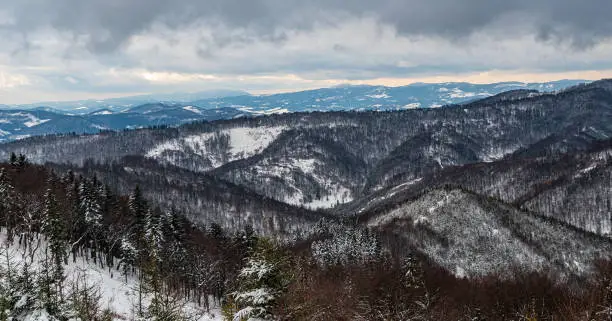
[90,206]
[138,208]
[13,159]
[261,282]
[91,211]
[54,228]
[7,203]
[151,274]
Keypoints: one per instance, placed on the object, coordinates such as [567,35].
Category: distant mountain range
[22,123]
[366,97]
[90,116]
[83,107]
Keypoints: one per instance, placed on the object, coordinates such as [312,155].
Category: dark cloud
[109,23]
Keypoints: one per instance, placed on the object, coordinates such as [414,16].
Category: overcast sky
[76,49]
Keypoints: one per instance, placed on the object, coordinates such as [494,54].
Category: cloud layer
[65,49]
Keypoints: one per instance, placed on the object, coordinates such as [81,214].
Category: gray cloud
[109,23]
[75,48]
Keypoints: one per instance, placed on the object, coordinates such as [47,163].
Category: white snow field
[243,142]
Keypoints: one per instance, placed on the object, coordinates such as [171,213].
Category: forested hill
[202,198]
[75,249]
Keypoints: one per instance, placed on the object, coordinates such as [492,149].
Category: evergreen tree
[151,274]
[90,206]
[13,159]
[53,276]
[138,208]
[7,203]
[91,220]
[261,282]
[129,254]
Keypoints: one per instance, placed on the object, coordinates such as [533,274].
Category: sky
[77,49]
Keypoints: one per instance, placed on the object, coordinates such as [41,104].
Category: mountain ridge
[151,111]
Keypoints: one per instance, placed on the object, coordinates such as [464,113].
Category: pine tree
[138,208]
[54,229]
[91,211]
[90,206]
[151,274]
[261,282]
[13,159]
[129,254]
[7,203]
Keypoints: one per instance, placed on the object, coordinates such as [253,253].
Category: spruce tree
[54,229]
[261,282]
[138,209]
[90,206]
[13,159]
[7,203]
[91,210]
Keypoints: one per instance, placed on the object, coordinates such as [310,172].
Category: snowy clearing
[243,142]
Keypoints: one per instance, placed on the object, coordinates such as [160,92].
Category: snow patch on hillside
[271,111]
[33,120]
[388,194]
[337,195]
[193,110]
[103,112]
[18,137]
[458,93]
[379,96]
[497,153]
[287,169]
[244,142]
[412,106]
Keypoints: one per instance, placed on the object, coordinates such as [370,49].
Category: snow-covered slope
[299,168]
[117,293]
[216,148]
[293,173]
[472,236]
